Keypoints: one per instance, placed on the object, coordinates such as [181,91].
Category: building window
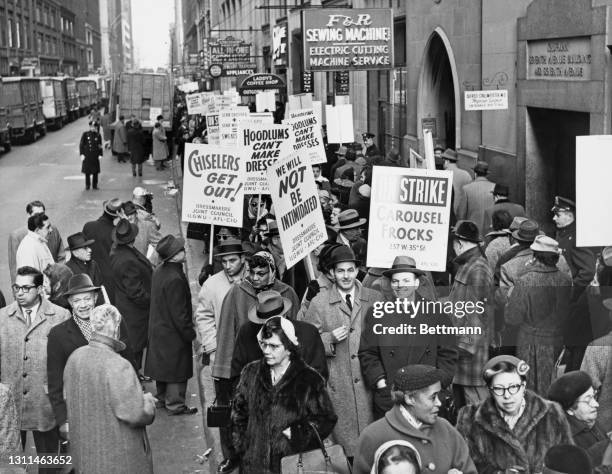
[52,18]
[25,35]
[45,16]
[89,37]
[89,56]
[2,31]
[38,13]
[11,29]
[39,43]
[18,31]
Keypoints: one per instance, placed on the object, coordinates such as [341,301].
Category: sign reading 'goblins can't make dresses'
[347,39]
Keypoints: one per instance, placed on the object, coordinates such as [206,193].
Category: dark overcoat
[133,272]
[136,139]
[261,411]
[494,447]
[91,148]
[101,230]
[90,268]
[63,340]
[169,353]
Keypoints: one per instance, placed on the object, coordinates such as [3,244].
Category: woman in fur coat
[278,403]
[514,426]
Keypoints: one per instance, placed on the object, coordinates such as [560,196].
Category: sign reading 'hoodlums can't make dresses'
[267,144]
[339,40]
[214,184]
[409,215]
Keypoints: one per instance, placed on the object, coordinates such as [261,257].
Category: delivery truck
[54,102]
[88,94]
[21,96]
[72,98]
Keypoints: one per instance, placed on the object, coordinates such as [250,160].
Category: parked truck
[88,94]
[21,96]
[144,95]
[103,87]
[54,101]
[72,98]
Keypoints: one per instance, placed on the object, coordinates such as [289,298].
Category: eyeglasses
[264,345]
[25,289]
[589,399]
[501,391]
[223,236]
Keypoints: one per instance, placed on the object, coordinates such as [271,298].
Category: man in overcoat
[132,272]
[382,355]
[90,149]
[101,232]
[106,405]
[477,196]
[338,314]
[502,202]
[170,356]
[80,257]
[24,325]
[68,336]
[120,143]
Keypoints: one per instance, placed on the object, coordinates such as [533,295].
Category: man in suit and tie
[477,196]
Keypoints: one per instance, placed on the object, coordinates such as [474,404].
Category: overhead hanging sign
[409,215]
[296,206]
[279,45]
[213,189]
[347,39]
[232,55]
[255,83]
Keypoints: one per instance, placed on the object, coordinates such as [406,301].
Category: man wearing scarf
[67,337]
[234,313]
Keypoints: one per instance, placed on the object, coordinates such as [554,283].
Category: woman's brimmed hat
[521,366]
[269,303]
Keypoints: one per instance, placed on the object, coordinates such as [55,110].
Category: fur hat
[416,377]
[568,388]
[567,459]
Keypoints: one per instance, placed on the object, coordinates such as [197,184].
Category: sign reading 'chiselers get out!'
[345,39]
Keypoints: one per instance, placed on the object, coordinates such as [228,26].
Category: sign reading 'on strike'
[409,215]
[345,39]
[213,186]
[297,208]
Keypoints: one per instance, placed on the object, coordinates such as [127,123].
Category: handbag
[218,416]
[329,460]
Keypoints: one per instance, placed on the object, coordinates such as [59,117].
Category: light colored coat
[10,441]
[347,388]
[460,178]
[160,148]
[148,235]
[208,312]
[54,242]
[120,138]
[23,361]
[476,199]
[33,252]
[106,411]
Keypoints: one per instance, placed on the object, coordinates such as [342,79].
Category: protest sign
[265,100]
[409,215]
[339,121]
[308,140]
[317,108]
[300,101]
[261,117]
[296,206]
[229,118]
[189,87]
[213,190]
[593,190]
[268,143]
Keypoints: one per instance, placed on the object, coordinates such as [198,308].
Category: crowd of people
[297,355]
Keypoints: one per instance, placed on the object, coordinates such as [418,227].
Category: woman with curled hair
[514,427]
[279,402]
[538,306]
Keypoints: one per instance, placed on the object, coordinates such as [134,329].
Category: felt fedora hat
[112,206]
[527,232]
[269,303]
[501,190]
[125,232]
[169,246]
[449,154]
[340,255]
[78,241]
[80,283]
[350,219]
[401,264]
[467,230]
[543,243]
[228,247]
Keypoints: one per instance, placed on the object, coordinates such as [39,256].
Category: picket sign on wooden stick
[210,253]
[309,268]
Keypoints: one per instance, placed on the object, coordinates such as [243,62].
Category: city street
[49,170]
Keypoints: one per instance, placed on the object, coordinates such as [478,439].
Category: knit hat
[568,388]
[567,459]
[416,377]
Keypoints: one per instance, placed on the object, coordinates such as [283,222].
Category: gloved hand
[312,290]
[207,270]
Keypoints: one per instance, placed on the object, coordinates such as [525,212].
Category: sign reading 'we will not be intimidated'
[347,39]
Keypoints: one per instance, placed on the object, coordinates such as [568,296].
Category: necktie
[348,302]
[28,317]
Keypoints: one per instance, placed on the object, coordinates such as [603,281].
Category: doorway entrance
[550,165]
[439,107]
